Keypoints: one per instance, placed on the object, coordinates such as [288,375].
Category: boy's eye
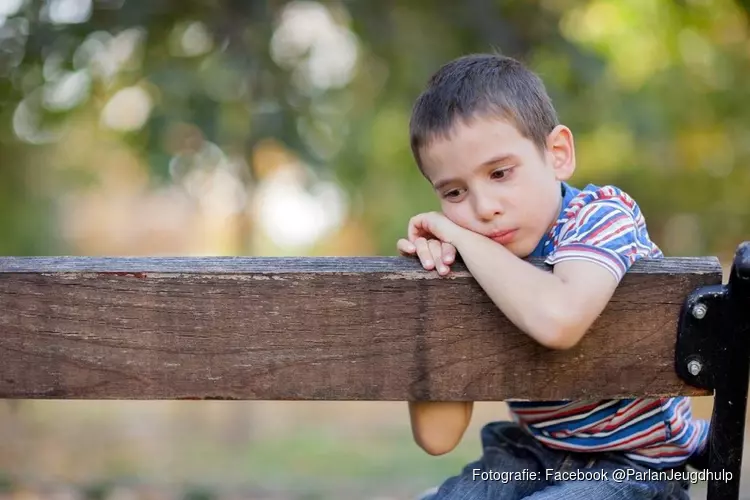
[500,174]
[454,193]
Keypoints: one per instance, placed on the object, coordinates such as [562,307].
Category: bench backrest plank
[326,328]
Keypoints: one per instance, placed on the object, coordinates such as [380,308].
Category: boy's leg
[601,490]
[611,477]
[511,467]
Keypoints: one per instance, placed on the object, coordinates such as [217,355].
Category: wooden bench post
[713,352]
[364,328]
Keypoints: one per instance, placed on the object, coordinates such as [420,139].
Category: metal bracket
[713,352]
[696,359]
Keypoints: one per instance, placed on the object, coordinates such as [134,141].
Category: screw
[694,367]
[700,310]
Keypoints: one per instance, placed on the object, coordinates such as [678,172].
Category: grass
[331,456]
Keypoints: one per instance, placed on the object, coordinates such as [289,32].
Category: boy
[486,136]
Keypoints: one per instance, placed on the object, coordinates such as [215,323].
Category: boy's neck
[560,202]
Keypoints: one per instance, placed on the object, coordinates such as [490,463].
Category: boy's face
[493,181]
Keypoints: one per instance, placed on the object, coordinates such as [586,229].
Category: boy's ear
[561,152]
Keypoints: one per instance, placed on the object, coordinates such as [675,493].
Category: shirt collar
[567,193]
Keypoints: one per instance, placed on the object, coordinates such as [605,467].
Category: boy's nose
[487,208]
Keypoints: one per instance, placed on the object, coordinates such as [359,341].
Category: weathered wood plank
[373,328]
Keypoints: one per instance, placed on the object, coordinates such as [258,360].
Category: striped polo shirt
[605,225]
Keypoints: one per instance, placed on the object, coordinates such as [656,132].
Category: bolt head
[694,367]
[700,310]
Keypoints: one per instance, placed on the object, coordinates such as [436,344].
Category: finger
[406,247]
[449,253]
[411,230]
[436,249]
[425,256]
[416,228]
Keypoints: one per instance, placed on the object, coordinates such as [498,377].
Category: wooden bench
[373,328]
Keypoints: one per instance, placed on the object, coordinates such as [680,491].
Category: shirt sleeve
[604,232]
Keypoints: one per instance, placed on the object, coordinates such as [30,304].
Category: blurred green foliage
[654,91]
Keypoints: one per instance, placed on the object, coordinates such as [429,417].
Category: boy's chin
[520,249]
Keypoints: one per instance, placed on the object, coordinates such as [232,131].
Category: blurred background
[254,127]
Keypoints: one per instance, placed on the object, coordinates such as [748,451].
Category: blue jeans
[515,465]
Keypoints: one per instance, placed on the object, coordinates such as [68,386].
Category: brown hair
[482,85]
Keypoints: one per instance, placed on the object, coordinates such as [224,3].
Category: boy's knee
[496,434]
[464,487]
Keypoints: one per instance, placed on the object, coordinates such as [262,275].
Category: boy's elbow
[438,427]
[559,341]
[560,332]
[436,445]
[438,437]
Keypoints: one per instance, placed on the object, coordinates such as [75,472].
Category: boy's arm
[556,309]
[438,427]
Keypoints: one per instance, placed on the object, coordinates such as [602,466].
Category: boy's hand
[430,252]
[430,236]
[433,225]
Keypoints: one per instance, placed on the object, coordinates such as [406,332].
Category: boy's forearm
[533,299]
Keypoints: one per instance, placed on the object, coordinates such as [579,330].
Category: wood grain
[325,328]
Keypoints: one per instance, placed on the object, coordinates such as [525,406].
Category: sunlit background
[166,127]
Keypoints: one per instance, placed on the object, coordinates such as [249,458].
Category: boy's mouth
[503,237]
